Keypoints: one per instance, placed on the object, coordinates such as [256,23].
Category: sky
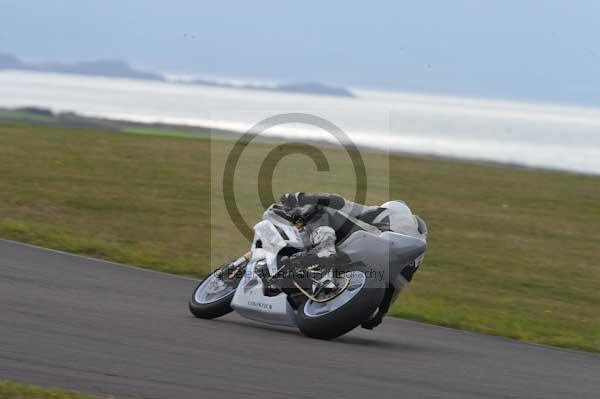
[516,49]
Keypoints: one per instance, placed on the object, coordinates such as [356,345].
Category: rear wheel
[212,298]
[354,305]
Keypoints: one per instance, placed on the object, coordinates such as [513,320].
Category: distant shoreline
[43,116]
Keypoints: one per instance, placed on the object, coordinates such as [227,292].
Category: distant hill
[314,87]
[8,61]
[110,68]
[300,88]
[120,69]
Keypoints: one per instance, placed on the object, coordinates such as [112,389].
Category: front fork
[235,270]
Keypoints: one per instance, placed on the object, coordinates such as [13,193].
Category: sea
[546,136]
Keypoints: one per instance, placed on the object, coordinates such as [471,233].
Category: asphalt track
[112,330]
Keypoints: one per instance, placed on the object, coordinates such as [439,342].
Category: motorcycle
[282,281]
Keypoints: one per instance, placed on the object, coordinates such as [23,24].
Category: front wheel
[212,297]
[355,305]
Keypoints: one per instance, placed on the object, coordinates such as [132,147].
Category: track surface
[107,329]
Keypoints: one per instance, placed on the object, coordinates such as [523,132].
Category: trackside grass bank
[11,390]
[513,252]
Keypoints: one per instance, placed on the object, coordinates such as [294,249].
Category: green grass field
[11,390]
[512,252]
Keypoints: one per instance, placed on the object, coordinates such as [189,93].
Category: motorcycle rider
[340,218]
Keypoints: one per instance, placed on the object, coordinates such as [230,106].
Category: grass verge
[11,390]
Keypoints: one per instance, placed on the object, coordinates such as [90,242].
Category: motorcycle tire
[349,315]
[214,309]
